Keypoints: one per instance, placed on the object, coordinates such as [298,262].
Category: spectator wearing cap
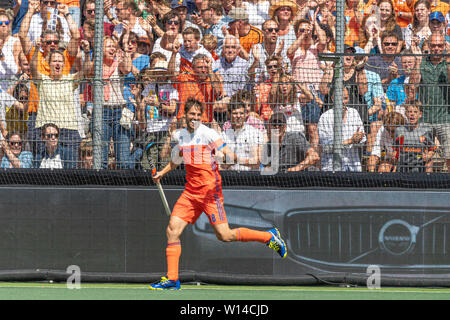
[284,14]
[353,135]
[239,27]
[437,24]
[215,20]
[180,8]
[156,104]
[294,151]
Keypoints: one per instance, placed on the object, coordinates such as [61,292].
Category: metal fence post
[340,34]
[98,87]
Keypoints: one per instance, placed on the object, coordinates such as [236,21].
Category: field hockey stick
[162,195]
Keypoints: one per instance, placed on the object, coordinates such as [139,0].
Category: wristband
[215,70]
[65,16]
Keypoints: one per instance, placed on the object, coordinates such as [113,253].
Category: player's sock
[173,253]
[245,235]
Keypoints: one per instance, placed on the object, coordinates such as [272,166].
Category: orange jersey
[402,6]
[198,153]
[253,37]
[189,86]
[43,66]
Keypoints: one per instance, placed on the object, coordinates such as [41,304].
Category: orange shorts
[189,208]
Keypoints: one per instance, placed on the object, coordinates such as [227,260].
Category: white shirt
[383,141]
[156,121]
[136,29]
[168,54]
[36,28]
[350,153]
[243,143]
[293,113]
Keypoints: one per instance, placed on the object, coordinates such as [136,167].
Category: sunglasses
[436,45]
[272,67]
[133,42]
[278,124]
[272,30]
[301,30]
[49,42]
[391,44]
[51,3]
[4,22]
[15,143]
[173,22]
[51,135]
[90,11]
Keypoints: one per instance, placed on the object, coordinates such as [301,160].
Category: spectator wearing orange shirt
[239,27]
[404,10]
[202,84]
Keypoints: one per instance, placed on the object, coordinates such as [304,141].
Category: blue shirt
[25,158]
[235,74]
[374,90]
[140,63]
[216,30]
[395,92]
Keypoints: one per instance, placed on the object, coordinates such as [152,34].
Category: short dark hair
[191,102]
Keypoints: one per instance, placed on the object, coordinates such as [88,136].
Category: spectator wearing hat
[145,46]
[240,28]
[156,104]
[284,14]
[294,151]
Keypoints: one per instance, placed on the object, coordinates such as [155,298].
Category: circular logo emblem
[398,237]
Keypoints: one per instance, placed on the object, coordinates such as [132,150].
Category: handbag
[126,120]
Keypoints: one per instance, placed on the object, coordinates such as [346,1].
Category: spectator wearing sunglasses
[171,37]
[89,15]
[51,156]
[387,67]
[41,15]
[50,40]
[14,156]
[271,45]
[9,51]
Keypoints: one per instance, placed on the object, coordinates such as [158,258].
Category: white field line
[191,287]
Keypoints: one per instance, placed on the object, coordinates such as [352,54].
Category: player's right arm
[170,166]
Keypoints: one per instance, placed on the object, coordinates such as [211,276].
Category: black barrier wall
[118,234]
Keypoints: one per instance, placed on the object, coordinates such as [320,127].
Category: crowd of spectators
[258,67]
